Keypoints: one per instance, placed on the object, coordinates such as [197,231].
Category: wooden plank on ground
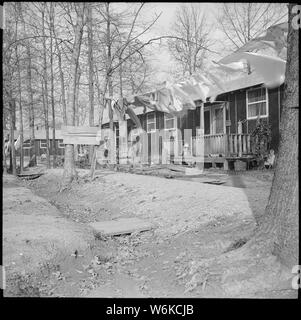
[30,176]
[120,226]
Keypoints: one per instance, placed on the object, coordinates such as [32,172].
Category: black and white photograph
[150,150]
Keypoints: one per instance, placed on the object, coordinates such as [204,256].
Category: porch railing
[216,145]
[239,144]
[224,144]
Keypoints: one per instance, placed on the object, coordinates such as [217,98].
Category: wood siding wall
[39,150]
[237,111]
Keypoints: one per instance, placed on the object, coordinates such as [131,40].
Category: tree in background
[241,22]
[9,84]
[190,38]
[80,20]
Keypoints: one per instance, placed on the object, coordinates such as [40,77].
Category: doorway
[215,119]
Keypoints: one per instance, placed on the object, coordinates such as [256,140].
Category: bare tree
[9,97]
[241,22]
[61,72]
[191,34]
[18,9]
[33,159]
[91,73]
[69,167]
[51,22]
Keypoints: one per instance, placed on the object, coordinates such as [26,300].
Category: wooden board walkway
[120,226]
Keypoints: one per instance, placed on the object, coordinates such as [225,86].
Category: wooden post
[226,165]
[245,150]
[235,144]
[200,163]
[230,144]
[123,137]
[239,146]
[226,144]
[248,144]
[93,164]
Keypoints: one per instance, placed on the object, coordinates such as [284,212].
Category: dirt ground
[196,248]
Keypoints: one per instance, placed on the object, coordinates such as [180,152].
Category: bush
[261,139]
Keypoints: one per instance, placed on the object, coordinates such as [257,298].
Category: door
[218,119]
[207,122]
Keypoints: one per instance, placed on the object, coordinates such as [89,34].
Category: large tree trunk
[280,225]
[69,166]
[91,78]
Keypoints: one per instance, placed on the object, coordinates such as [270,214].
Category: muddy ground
[196,248]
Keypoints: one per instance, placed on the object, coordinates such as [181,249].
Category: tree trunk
[32,151]
[32,154]
[77,111]
[61,77]
[21,111]
[45,90]
[91,78]
[45,109]
[280,223]
[100,101]
[109,82]
[69,166]
[12,137]
[123,136]
[3,154]
[51,17]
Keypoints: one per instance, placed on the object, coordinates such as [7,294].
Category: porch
[227,145]
[227,150]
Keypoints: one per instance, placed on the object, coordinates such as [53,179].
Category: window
[61,144]
[169,121]
[151,122]
[257,103]
[43,144]
[26,145]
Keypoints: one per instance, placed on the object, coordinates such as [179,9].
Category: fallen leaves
[58,275]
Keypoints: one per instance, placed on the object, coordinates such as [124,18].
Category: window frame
[26,143]
[41,147]
[147,122]
[259,101]
[174,118]
[60,142]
